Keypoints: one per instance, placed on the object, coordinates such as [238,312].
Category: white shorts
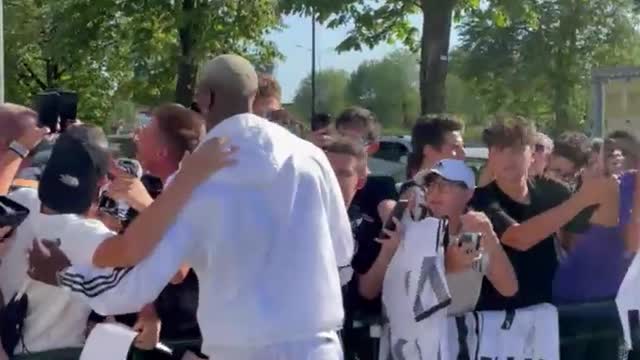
[324,346]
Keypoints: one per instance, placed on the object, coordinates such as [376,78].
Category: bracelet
[19,149]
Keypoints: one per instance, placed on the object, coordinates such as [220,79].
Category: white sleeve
[82,240]
[126,290]
[341,234]
[340,227]
[26,197]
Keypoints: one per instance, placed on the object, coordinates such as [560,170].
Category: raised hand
[33,136]
[129,189]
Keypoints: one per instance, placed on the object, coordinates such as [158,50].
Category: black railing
[602,318]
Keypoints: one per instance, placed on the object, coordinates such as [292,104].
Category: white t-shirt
[54,319]
[628,302]
[265,237]
[415,294]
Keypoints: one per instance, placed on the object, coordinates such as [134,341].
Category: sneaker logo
[69,180]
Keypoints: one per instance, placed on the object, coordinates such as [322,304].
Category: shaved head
[232,74]
[227,86]
[14,121]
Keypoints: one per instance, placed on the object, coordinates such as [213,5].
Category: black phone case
[397,213]
[17,214]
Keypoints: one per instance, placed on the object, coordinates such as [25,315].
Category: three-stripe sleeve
[127,290]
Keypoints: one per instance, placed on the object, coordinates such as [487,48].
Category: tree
[331,93]
[48,52]
[170,39]
[143,51]
[389,88]
[379,21]
[542,68]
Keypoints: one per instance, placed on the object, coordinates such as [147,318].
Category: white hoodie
[265,237]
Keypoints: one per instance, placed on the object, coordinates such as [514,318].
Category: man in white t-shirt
[264,293]
[450,184]
[58,212]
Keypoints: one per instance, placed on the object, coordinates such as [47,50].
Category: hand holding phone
[397,213]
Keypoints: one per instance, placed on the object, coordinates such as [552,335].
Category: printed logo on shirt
[69,180]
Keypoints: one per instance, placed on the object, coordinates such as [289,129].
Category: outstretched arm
[114,291]
[531,232]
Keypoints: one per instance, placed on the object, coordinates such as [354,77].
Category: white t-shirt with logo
[415,294]
[55,319]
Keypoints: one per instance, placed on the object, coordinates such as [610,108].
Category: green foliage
[541,69]
[114,50]
[388,87]
[331,93]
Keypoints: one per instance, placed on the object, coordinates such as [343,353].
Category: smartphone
[48,106]
[11,213]
[67,108]
[396,213]
[130,166]
[470,240]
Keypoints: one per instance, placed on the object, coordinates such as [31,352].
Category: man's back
[268,266]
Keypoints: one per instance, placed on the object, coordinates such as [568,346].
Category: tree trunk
[187,66]
[434,59]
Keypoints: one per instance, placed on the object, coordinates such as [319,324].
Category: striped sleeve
[126,290]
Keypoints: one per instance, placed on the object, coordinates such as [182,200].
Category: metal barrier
[602,317]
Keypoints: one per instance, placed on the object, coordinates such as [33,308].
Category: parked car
[391,158]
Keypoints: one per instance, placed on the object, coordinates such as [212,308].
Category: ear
[373,148]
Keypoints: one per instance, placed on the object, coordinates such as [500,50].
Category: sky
[294,42]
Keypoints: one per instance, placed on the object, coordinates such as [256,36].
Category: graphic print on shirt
[429,272]
[415,295]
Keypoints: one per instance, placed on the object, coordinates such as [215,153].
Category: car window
[391,151]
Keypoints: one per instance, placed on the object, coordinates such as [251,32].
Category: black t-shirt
[366,226]
[535,267]
[376,190]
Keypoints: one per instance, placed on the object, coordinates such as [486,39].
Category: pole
[1,52]
[313,64]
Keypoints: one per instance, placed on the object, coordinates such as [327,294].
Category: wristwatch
[19,149]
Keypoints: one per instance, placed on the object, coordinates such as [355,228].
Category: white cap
[450,170]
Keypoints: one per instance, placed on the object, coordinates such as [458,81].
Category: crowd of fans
[558,221]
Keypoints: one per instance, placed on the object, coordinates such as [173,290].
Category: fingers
[4,231]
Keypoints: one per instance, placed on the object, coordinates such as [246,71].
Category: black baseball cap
[70,180]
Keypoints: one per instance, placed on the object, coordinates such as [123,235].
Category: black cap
[69,183]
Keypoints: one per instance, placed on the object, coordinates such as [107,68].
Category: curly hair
[575,147]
